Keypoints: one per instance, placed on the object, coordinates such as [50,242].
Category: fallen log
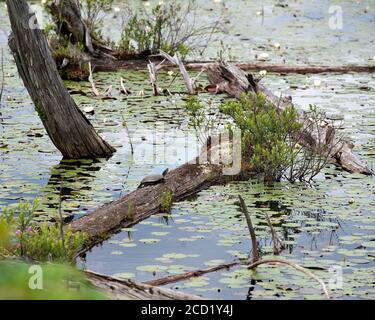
[183,182]
[103,65]
[190,274]
[235,82]
[129,290]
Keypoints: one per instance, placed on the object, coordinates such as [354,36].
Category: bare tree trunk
[66,125]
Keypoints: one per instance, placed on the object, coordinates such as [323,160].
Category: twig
[62,224]
[108,92]
[176,59]
[278,246]
[198,273]
[124,123]
[251,229]
[153,78]
[123,89]
[91,80]
[190,274]
[295,266]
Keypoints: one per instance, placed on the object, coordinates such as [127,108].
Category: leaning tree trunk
[66,125]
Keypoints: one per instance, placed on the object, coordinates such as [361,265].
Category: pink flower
[18,233]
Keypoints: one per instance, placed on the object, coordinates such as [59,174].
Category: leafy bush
[20,236]
[271,139]
[170,27]
[92,13]
[205,125]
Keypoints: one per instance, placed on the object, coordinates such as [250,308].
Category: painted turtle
[153,179]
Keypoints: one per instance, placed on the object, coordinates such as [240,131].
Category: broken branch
[251,229]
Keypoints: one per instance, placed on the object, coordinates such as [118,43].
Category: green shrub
[44,243]
[21,236]
[271,138]
[169,27]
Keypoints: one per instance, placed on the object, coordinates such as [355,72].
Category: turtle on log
[153,179]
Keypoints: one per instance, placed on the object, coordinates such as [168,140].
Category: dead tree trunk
[66,125]
[67,16]
[235,82]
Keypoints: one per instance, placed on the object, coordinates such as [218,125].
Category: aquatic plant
[272,138]
[167,201]
[21,236]
[166,27]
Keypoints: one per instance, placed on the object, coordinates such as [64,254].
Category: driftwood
[235,82]
[153,78]
[190,274]
[176,59]
[66,125]
[118,289]
[197,273]
[104,65]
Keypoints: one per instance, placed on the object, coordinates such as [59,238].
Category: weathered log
[129,290]
[183,182]
[68,128]
[252,265]
[190,274]
[235,82]
[103,65]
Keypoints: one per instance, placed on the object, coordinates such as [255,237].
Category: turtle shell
[151,180]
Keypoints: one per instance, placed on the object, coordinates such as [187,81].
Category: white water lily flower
[277,45]
[259,13]
[317,83]
[89,109]
[262,73]
[263,56]
[170,73]
[116,9]
[373,58]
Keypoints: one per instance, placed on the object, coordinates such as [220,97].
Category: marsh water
[328,226]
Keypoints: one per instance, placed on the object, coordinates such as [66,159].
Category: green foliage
[270,139]
[131,212]
[60,282]
[44,243]
[167,201]
[204,125]
[166,27]
[21,236]
[92,12]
